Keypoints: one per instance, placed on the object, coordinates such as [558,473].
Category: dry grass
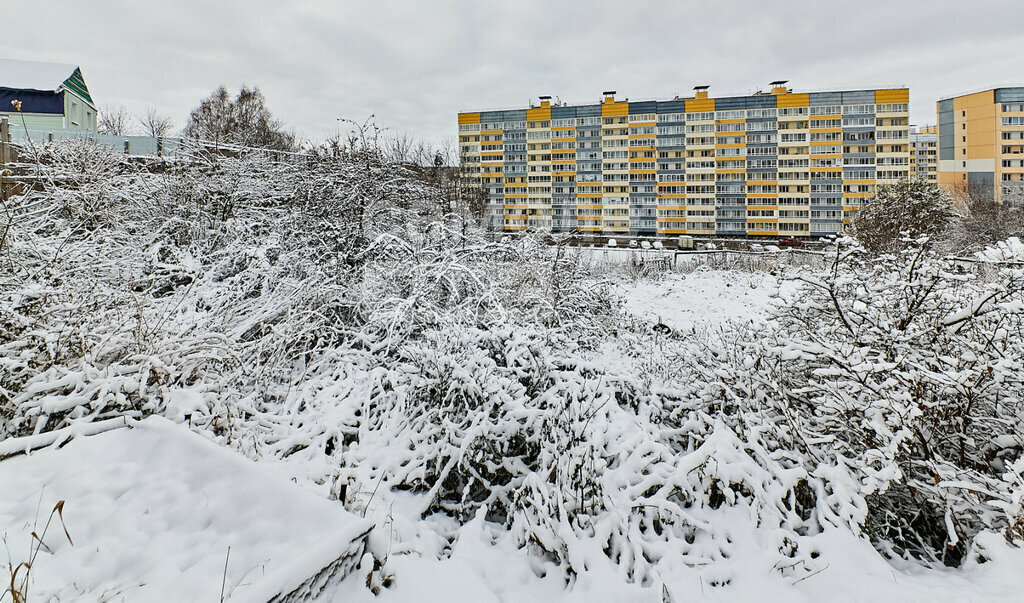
[18,574]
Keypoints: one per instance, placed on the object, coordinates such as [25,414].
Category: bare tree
[243,120]
[981,221]
[154,124]
[114,120]
[399,147]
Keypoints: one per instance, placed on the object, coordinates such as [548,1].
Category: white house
[53,96]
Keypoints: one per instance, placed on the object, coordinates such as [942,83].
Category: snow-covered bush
[321,312]
[894,384]
[165,272]
[910,369]
[900,212]
[229,274]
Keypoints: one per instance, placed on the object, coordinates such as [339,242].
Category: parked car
[791,242]
[634,244]
[645,244]
[772,249]
[658,245]
[612,243]
[757,247]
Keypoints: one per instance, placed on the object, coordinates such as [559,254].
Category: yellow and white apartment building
[981,144]
[924,157]
[771,164]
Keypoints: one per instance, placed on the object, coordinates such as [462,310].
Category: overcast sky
[416,64]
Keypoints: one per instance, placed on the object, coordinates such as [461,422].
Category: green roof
[76,83]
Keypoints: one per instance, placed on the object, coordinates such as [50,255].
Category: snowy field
[151,504]
[707,298]
[485,564]
[368,400]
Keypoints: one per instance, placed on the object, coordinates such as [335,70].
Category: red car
[791,242]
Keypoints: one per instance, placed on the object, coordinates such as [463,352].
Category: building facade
[765,165]
[53,97]
[981,144]
[924,159]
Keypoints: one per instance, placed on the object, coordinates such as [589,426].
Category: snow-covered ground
[485,564]
[707,297]
[151,511]
[342,381]
[486,567]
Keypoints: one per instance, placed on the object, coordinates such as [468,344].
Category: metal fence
[14,135]
[164,146]
[137,146]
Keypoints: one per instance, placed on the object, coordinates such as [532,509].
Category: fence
[5,158]
[149,146]
[13,135]
[138,146]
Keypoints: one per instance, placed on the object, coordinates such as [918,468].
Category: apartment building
[770,164]
[924,158]
[981,144]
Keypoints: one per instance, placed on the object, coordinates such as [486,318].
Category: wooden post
[5,156]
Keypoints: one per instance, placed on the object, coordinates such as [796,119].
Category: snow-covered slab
[152,511]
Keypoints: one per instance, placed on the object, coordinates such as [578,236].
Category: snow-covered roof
[34,75]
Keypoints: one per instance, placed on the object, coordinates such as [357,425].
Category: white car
[757,247]
[645,244]
[771,249]
[612,243]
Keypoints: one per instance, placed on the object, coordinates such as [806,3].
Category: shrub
[900,212]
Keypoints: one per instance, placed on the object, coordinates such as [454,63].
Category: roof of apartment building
[706,102]
[1000,94]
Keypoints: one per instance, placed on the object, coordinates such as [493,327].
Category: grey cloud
[416,64]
